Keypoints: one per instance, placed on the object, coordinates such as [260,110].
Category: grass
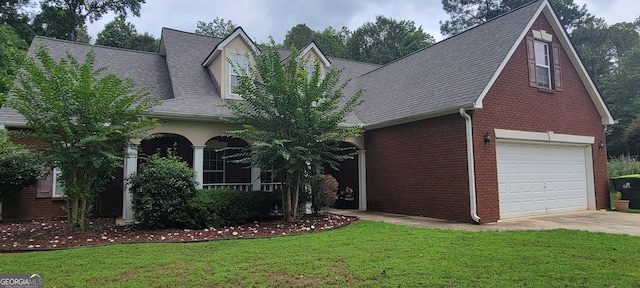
[364,254]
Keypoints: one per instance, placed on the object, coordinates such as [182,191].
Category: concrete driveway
[593,221]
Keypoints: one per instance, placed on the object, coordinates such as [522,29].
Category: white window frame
[235,58]
[543,61]
[309,69]
[58,192]
[205,161]
[267,173]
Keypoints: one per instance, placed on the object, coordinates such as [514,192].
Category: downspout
[470,167]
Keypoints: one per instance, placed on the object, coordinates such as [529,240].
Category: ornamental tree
[85,119]
[291,119]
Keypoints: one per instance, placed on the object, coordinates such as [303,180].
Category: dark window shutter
[531,56]
[557,73]
[45,186]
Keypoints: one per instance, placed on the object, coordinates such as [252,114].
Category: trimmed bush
[225,207]
[19,167]
[160,191]
[323,192]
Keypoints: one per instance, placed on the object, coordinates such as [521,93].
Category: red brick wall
[512,104]
[25,205]
[419,168]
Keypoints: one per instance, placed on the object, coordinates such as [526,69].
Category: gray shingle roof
[194,91]
[147,69]
[450,74]
[447,75]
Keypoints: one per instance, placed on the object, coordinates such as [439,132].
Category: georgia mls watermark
[21,281]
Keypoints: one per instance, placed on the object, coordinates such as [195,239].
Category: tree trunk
[83,215]
[288,214]
[68,212]
[293,195]
[73,221]
[296,197]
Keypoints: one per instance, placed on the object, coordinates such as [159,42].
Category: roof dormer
[237,48]
[311,54]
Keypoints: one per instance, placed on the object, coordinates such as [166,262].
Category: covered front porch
[205,148]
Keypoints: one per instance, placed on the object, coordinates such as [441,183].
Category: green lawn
[364,254]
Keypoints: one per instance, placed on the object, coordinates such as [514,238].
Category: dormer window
[240,63]
[309,69]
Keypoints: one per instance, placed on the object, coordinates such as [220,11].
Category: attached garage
[541,177]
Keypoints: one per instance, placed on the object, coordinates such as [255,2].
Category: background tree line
[609,52]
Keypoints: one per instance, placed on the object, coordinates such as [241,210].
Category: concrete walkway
[593,221]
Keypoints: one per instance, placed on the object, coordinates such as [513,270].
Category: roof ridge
[355,61]
[444,40]
[192,33]
[335,57]
[94,45]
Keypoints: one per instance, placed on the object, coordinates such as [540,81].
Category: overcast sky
[260,19]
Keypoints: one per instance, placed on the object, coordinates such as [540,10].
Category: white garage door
[539,179]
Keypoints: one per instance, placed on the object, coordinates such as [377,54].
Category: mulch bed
[52,234]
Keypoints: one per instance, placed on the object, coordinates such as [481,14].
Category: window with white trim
[213,166]
[58,189]
[543,71]
[266,176]
[239,62]
[309,69]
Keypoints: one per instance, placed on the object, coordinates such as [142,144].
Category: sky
[261,19]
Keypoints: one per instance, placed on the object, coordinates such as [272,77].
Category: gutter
[473,207]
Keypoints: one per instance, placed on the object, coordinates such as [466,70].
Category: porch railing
[244,186]
[270,187]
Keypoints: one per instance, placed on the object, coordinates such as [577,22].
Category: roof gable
[458,72]
[313,48]
[217,50]
[443,77]
[546,10]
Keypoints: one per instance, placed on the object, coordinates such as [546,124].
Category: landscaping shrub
[225,207]
[19,167]
[623,165]
[160,191]
[323,192]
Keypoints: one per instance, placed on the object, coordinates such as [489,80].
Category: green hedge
[225,207]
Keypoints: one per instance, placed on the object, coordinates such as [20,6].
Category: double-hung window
[58,190]
[543,71]
[309,69]
[51,186]
[213,163]
[240,63]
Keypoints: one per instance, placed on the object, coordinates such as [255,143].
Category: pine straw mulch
[53,234]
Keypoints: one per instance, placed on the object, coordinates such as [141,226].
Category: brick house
[499,121]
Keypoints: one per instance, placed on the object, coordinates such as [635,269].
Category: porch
[214,165]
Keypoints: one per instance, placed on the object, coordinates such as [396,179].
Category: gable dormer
[237,48]
[312,54]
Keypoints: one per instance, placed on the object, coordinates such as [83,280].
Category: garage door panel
[539,179]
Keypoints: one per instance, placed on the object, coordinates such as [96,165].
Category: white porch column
[255,179]
[362,180]
[198,161]
[130,167]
